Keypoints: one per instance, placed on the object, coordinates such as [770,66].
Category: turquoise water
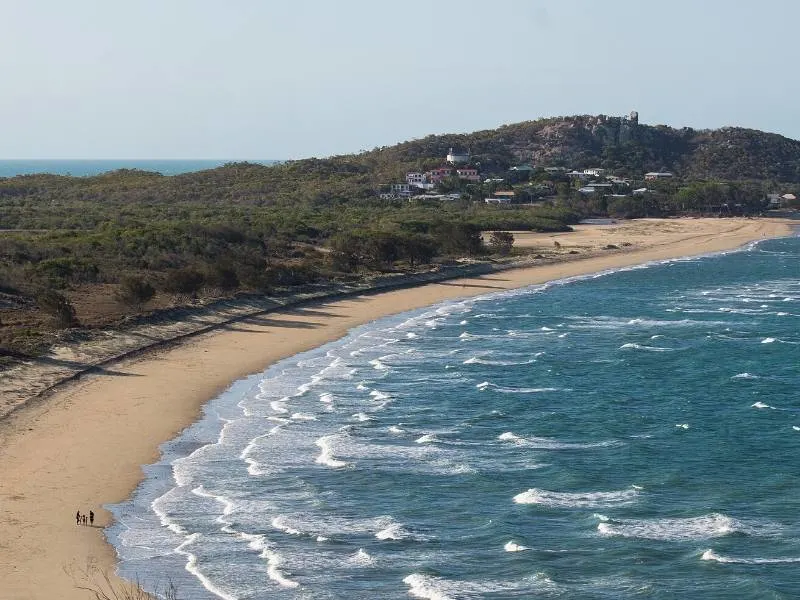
[628,435]
[89,167]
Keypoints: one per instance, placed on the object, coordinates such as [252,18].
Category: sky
[283,79]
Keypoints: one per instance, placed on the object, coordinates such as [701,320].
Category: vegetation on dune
[94,250]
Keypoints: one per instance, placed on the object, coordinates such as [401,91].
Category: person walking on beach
[83,518]
[78,518]
[91,517]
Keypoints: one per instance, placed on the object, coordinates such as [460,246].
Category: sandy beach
[83,446]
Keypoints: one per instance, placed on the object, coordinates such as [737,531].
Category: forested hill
[616,143]
[622,145]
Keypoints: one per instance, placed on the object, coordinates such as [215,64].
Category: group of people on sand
[82,519]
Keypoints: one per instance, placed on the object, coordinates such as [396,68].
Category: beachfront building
[503,197]
[653,175]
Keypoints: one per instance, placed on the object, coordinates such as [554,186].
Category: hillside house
[594,172]
[457,157]
[468,174]
[653,175]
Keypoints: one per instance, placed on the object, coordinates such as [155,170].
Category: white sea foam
[795,427]
[162,514]
[645,348]
[430,587]
[362,558]
[274,572]
[745,376]
[693,528]
[576,499]
[512,546]
[762,405]
[191,567]
[327,398]
[361,387]
[377,395]
[395,531]
[396,430]
[522,390]
[280,523]
[326,455]
[363,417]
[411,335]
[428,438]
[713,556]
[682,425]
[299,416]
[378,365]
[540,443]
[769,340]
[497,363]
[279,406]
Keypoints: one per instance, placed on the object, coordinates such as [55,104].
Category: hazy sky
[296,78]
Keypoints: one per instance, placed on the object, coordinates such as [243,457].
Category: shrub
[501,242]
[184,281]
[135,291]
[58,307]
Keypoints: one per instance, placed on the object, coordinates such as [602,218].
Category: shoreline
[83,445]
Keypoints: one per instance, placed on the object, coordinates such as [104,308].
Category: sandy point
[83,446]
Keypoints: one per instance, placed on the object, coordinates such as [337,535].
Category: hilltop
[620,144]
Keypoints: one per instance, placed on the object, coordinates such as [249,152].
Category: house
[503,197]
[657,175]
[640,191]
[468,174]
[578,175]
[415,179]
[457,157]
[555,169]
[523,168]
[596,187]
[493,180]
[419,180]
[780,200]
[438,175]
[435,176]
[594,172]
[400,190]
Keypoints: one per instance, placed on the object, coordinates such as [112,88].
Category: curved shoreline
[83,446]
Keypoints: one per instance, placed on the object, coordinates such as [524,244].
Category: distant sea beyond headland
[89,167]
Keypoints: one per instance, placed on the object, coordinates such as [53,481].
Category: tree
[135,292]
[501,242]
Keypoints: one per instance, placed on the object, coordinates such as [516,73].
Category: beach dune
[82,446]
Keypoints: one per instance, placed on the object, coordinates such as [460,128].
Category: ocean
[629,434]
[90,167]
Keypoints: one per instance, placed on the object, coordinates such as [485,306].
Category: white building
[594,172]
[657,175]
[416,179]
[455,158]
